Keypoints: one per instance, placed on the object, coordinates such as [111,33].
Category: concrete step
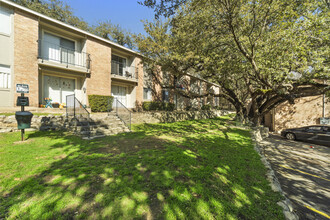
[98,125]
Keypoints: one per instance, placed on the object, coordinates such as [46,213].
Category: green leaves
[245,46]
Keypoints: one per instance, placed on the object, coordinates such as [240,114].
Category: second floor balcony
[63,56]
[120,70]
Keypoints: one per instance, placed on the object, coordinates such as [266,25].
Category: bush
[158,106]
[169,106]
[100,103]
[206,107]
[146,106]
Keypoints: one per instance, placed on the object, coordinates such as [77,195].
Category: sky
[127,13]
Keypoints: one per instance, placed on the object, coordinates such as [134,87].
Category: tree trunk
[241,113]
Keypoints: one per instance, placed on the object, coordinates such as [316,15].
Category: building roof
[10,3]
[67,25]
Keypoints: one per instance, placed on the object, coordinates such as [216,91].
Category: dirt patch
[24,142]
[62,156]
[50,178]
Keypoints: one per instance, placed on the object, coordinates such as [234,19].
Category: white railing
[60,54]
[119,69]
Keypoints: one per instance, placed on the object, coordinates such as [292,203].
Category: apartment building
[56,60]
[186,92]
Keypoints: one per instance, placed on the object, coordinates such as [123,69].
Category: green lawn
[186,170]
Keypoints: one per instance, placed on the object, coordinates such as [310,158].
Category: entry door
[52,88]
[57,88]
[67,88]
[119,92]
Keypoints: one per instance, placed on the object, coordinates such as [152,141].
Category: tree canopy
[262,52]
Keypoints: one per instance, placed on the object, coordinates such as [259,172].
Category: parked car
[319,134]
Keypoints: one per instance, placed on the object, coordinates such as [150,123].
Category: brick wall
[139,88]
[26,53]
[99,83]
[306,111]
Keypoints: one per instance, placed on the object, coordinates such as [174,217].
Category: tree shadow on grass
[204,174]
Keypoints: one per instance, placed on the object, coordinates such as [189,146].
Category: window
[118,64]
[166,97]
[5,21]
[147,94]
[58,49]
[5,78]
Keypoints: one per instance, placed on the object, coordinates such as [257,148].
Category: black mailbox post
[23,117]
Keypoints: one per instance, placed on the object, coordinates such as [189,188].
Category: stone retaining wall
[42,123]
[60,122]
[163,117]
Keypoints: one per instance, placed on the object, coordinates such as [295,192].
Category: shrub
[157,106]
[100,103]
[146,106]
[206,107]
[168,106]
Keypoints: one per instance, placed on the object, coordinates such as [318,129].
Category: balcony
[120,71]
[58,56]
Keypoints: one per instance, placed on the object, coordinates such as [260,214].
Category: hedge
[158,106]
[206,107]
[100,103]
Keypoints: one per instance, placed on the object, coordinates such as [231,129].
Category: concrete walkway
[303,171]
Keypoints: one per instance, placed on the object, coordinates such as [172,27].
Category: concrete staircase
[98,125]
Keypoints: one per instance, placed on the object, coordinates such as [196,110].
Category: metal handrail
[74,106]
[127,121]
[63,54]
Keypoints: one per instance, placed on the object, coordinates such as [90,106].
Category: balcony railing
[63,55]
[120,69]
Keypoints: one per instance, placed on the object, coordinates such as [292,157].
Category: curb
[286,204]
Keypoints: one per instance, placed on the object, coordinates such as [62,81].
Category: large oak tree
[261,52]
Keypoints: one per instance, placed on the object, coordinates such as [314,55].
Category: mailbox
[22,101]
[23,119]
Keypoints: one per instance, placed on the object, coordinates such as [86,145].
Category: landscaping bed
[187,170]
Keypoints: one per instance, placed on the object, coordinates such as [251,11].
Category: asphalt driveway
[303,171]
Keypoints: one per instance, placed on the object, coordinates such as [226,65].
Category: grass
[186,170]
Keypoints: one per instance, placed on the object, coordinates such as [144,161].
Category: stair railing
[123,113]
[75,108]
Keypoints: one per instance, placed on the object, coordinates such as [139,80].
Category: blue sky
[127,13]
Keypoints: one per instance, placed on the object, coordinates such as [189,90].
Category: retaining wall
[164,117]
